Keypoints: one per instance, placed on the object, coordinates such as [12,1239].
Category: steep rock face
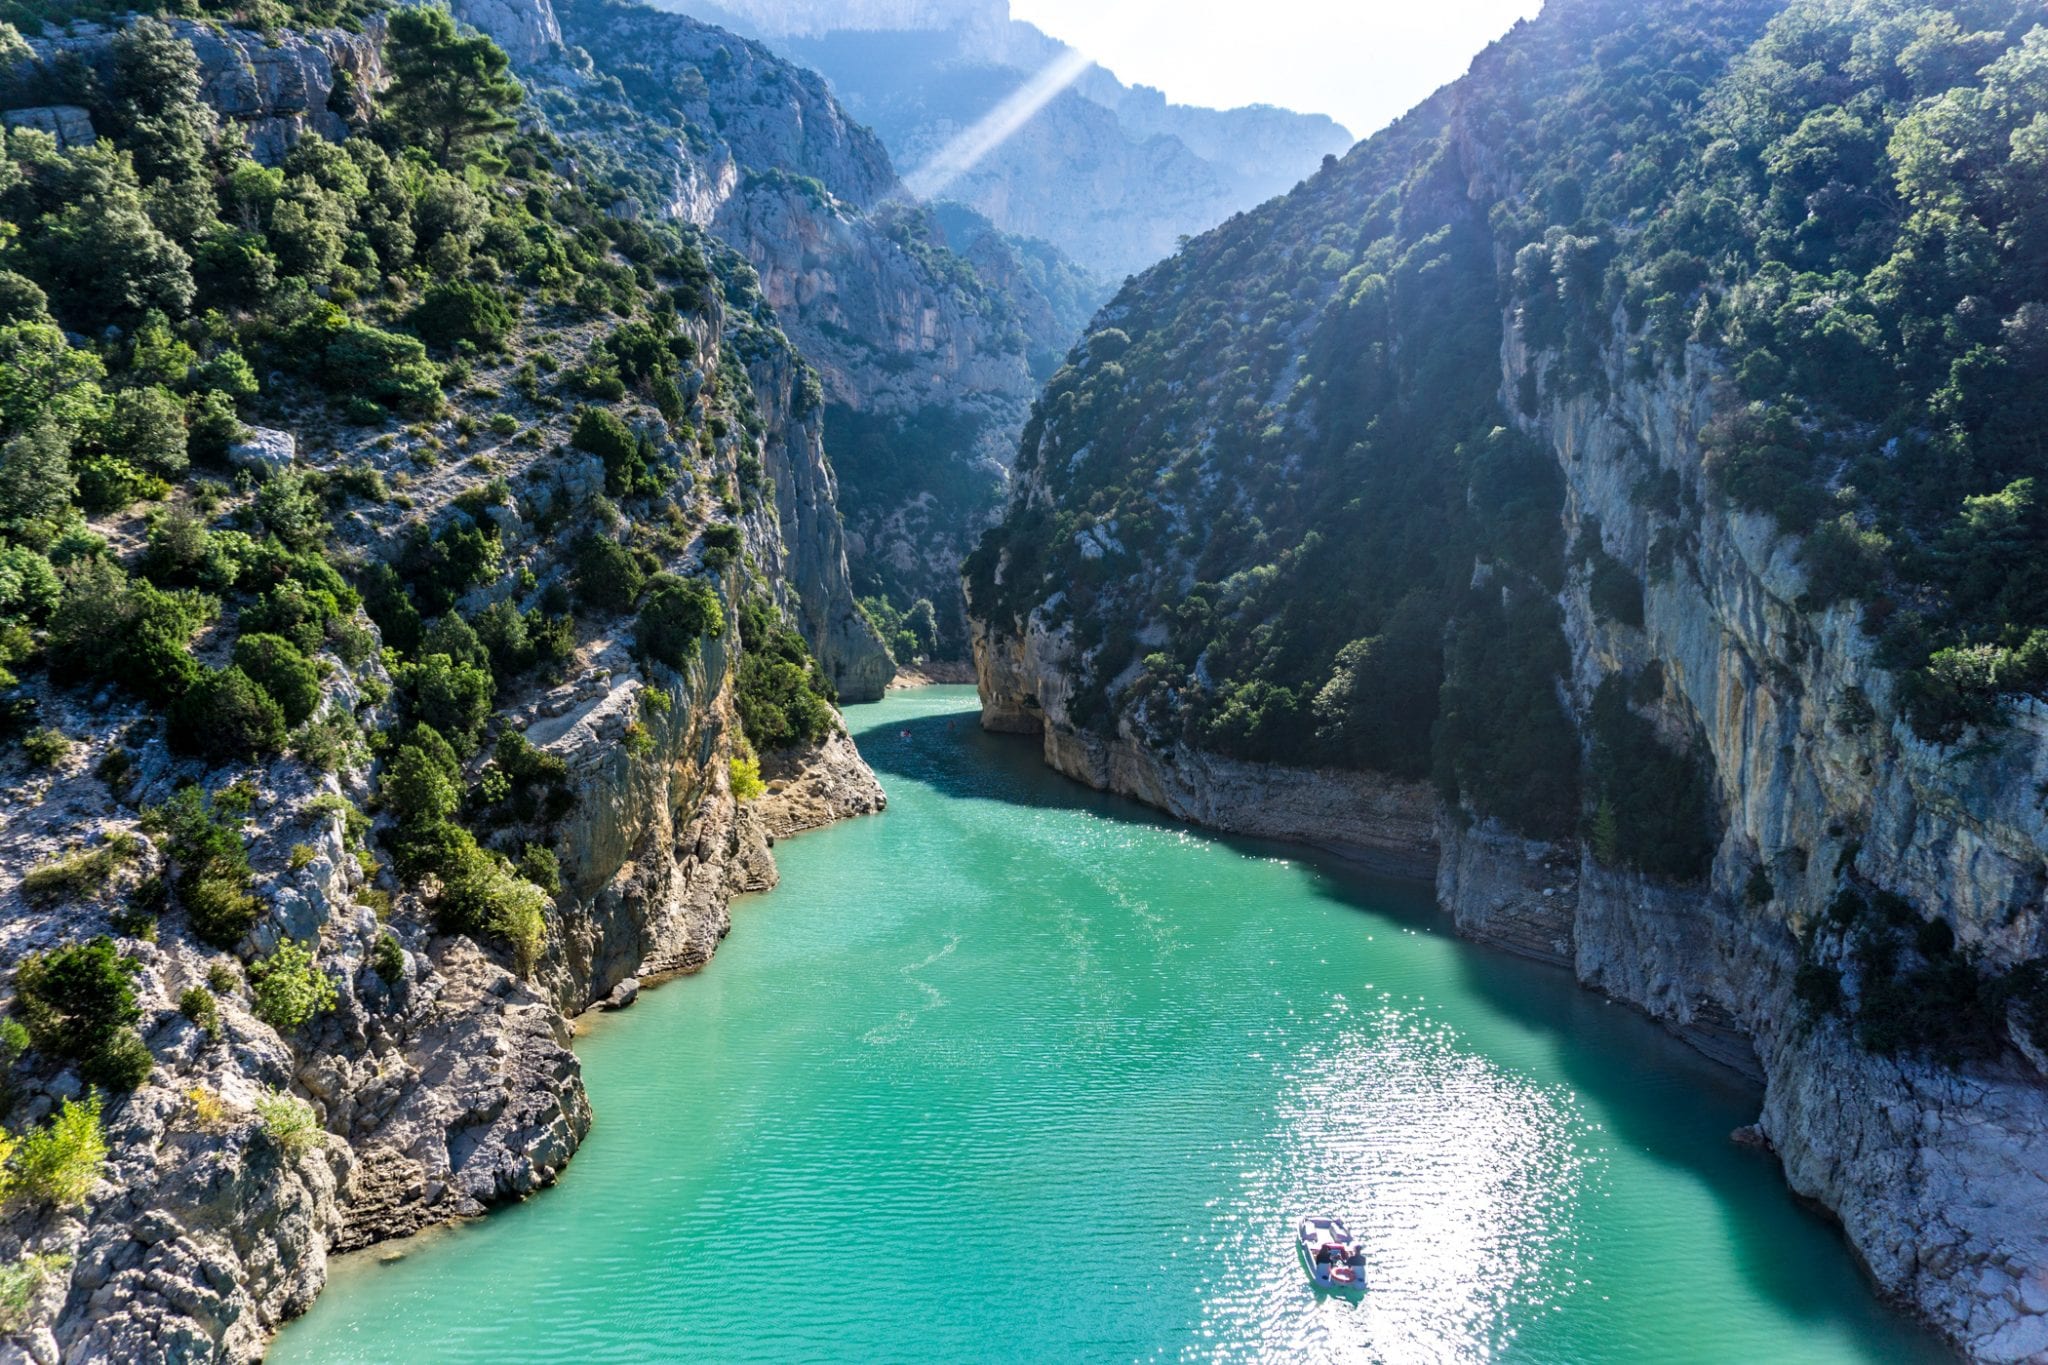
[805,556]
[1937,1175]
[1815,778]
[1110,174]
[765,114]
[277,88]
[1368,817]
[809,788]
[441,1081]
[1520,894]
[925,367]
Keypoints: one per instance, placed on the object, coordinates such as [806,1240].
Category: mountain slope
[399,553]
[914,349]
[1112,175]
[1620,465]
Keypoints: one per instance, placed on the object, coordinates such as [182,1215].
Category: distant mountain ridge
[1112,174]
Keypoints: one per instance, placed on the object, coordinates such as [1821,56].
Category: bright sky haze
[1362,62]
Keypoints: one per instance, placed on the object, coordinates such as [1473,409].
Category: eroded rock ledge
[1380,821]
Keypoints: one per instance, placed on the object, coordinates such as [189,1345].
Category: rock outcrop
[904,334]
[441,1081]
[813,787]
[1112,175]
[1383,822]
[1937,1174]
[1820,787]
[276,87]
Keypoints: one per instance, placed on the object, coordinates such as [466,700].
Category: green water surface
[1017,1072]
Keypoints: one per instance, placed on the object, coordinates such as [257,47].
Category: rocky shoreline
[1938,1175]
[934,672]
[1935,1174]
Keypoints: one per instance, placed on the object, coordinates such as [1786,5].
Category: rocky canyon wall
[1937,1167]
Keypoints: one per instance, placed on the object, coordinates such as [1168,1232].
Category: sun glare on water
[1456,1175]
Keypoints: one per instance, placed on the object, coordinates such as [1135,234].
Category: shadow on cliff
[1610,1054]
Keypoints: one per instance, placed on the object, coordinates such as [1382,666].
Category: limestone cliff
[440,1081]
[275,88]
[1199,508]
[1111,174]
[925,366]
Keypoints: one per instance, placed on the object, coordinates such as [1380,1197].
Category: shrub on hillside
[289,1122]
[79,1002]
[213,877]
[227,716]
[21,1284]
[462,310]
[146,428]
[783,697]
[80,874]
[454,698]
[289,987]
[199,1004]
[608,578]
[277,666]
[348,356]
[675,614]
[128,632]
[629,459]
[60,1163]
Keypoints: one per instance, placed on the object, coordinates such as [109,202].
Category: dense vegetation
[1287,514]
[146,280]
[1286,447]
[1854,217]
[1842,201]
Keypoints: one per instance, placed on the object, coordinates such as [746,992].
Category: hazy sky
[1363,62]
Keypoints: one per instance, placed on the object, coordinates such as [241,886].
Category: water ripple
[1009,1074]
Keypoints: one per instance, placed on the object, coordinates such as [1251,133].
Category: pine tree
[1606,834]
[447,91]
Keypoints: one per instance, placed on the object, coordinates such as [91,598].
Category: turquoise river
[1019,1072]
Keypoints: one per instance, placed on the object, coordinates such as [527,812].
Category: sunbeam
[965,151]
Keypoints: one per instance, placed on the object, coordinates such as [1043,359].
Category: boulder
[264,450]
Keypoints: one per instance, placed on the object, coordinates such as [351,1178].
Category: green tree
[80,1005]
[418,790]
[213,865]
[60,1162]
[289,987]
[44,379]
[607,576]
[225,715]
[454,698]
[159,117]
[28,585]
[289,509]
[276,665]
[447,91]
[460,310]
[674,616]
[36,483]
[146,427]
[96,249]
[131,633]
